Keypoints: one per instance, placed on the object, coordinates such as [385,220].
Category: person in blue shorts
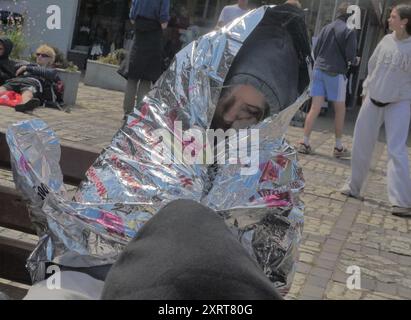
[334,52]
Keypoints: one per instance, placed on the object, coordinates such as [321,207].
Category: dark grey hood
[280,38]
[8,45]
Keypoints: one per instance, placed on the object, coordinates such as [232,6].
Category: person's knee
[339,106]
[316,104]
[27,93]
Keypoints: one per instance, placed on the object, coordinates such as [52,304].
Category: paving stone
[404,292]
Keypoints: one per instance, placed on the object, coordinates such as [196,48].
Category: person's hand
[164,25]
[21,70]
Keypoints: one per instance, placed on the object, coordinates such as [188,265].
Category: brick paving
[338,232]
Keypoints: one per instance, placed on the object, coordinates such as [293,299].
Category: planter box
[104,76]
[71,82]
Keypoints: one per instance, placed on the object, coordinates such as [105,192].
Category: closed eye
[254,111]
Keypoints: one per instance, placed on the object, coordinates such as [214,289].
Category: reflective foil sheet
[130,181]
[264,210]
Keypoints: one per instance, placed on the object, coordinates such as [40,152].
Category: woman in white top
[387,100]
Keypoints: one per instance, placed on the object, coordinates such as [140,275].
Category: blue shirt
[151,9]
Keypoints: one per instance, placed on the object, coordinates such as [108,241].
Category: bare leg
[339,108]
[29,103]
[3,89]
[26,96]
[313,115]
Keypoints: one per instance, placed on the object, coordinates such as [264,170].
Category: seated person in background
[37,83]
[7,66]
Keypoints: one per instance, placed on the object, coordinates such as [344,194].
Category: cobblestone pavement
[338,233]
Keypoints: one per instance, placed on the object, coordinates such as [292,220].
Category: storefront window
[101,26]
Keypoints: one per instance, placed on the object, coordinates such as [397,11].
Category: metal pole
[335,10]
[206,9]
[318,21]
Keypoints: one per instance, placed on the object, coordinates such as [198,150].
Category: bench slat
[13,256]
[12,290]
[75,159]
[13,211]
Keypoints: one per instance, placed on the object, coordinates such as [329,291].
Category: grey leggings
[135,87]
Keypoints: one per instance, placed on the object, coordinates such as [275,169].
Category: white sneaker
[346,191]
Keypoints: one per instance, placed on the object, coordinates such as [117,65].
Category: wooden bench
[75,160]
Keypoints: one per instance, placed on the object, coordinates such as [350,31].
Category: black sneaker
[28,106]
[401,212]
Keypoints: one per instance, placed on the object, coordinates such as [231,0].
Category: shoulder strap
[339,48]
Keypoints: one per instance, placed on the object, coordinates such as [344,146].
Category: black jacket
[38,72]
[336,47]
[7,66]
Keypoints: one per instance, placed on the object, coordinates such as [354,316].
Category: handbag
[342,53]
[124,66]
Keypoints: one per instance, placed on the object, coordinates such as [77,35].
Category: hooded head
[6,46]
[342,11]
[268,73]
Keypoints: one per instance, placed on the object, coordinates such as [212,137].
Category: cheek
[244,124]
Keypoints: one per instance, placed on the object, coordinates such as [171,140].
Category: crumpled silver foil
[128,183]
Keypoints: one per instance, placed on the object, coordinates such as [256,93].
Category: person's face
[241,108]
[2,49]
[43,59]
[395,22]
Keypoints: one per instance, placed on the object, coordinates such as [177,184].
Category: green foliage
[14,31]
[115,58]
[62,62]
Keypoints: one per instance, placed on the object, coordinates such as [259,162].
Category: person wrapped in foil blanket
[252,74]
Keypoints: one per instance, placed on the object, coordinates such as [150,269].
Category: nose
[230,116]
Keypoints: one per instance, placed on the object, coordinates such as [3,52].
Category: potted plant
[70,75]
[103,72]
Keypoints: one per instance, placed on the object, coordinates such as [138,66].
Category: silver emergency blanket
[130,181]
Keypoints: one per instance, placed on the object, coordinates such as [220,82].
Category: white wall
[35,27]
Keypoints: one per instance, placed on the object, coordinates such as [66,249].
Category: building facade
[100,26]
[39,21]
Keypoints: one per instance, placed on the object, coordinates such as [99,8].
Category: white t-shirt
[229,13]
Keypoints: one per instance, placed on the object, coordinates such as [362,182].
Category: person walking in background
[232,12]
[387,100]
[335,50]
[150,18]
